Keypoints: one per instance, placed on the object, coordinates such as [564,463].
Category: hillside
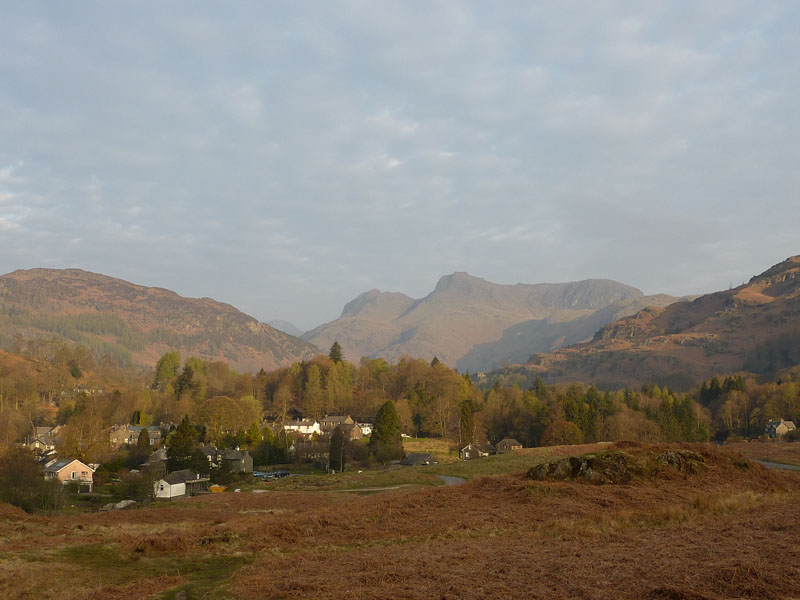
[137,324]
[474,324]
[754,327]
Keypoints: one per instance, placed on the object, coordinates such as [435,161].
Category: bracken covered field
[728,531]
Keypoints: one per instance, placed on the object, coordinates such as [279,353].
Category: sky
[285,157]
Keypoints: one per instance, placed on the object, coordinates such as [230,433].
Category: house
[366,428]
[122,435]
[351,431]
[156,463]
[331,422]
[419,458]
[508,445]
[306,427]
[238,461]
[71,469]
[211,453]
[776,429]
[179,484]
[475,450]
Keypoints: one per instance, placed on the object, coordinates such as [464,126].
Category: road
[774,465]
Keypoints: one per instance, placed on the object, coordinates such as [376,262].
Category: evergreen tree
[167,369]
[337,453]
[386,443]
[182,446]
[435,361]
[143,441]
[335,353]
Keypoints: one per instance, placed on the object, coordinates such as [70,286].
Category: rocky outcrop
[617,467]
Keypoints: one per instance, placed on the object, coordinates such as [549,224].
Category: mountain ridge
[135,323]
[463,311]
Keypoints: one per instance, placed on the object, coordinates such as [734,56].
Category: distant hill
[754,327]
[137,324]
[285,327]
[474,324]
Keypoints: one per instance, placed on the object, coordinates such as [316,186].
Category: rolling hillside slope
[137,324]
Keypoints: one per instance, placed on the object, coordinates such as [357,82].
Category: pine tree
[386,443]
[181,446]
[337,453]
[335,353]
[143,441]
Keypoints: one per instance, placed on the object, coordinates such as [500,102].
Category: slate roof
[419,458]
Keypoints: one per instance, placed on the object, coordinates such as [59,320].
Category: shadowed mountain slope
[137,324]
[754,327]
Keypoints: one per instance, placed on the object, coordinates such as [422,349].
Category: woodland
[50,382]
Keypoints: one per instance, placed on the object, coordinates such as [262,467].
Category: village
[308,450]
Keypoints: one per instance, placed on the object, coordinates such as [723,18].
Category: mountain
[754,327]
[474,324]
[285,327]
[137,324]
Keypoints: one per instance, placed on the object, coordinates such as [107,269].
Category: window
[74,474]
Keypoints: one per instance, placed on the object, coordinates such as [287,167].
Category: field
[726,532]
[773,451]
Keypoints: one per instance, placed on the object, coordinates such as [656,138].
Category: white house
[305,427]
[179,484]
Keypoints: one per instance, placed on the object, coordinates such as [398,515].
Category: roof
[336,418]
[418,458]
[181,476]
[509,442]
[64,462]
[234,454]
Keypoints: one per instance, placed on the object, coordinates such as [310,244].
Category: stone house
[508,445]
[475,450]
[776,429]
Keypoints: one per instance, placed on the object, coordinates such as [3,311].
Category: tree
[167,369]
[560,433]
[386,442]
[143,441]
[182,446]
[337,454]
[335,353]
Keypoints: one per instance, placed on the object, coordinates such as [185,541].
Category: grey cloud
[285,157]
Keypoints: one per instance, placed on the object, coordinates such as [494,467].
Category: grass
[724,532]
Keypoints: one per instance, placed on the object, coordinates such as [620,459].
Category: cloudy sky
[287,156]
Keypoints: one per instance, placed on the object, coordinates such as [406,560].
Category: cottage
[238,461]
[776,429]
[71,470]
[128,435]
[419,458]
[306,427]
[179,484]
[475,450]
[331,422]
[351,431]
[508,445]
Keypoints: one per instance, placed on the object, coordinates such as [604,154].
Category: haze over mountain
[133,323]
[285,327]
[754,327]
[474,324]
